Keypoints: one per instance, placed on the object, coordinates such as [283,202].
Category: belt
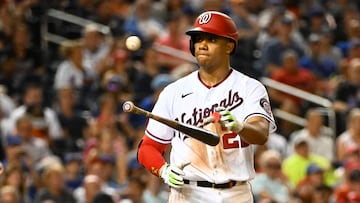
[227,185]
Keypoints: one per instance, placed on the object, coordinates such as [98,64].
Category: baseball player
[222,100]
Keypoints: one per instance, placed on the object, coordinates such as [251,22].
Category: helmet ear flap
[192,47]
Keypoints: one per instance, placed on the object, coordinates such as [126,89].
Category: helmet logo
[204,18]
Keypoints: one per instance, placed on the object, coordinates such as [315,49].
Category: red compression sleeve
[150,155]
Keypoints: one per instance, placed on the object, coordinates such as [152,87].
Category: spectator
[248,29]
[17,157]
[150,68]
[157,85]
[95,49]
[268,12]
[102,198]
[117,88]
[291,74]
[317,135]
[28,59]
[270,25]
[54,190]
[351,30]
[31,13]
[315,20]
[135,168]
[278,143]
[173,38]
[354,53]
[35,147]
[7,104]
[8,20]
[109,170]
[15,153]
[351,136]
[271,184]
[84,9]
[105,15]
[295,165]
[44,118]
[73,170]
[323,194]
[110,121]
[348,165]
[142,24]
[8,76]
[71,73]
[134,191]
[99,167]
[155,191]
[306,187]
[15,177]
[9,194]
[345,95]
[328,49]
[323,68]
[276,48]
[91,186]
[352,155]
[120,70]
[349,191]
[112,152]
[72,121]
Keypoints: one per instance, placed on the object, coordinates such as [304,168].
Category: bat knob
[128,106]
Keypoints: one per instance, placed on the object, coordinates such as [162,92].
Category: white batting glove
[229,121]
[172,175]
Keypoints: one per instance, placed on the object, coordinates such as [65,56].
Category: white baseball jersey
[189,100]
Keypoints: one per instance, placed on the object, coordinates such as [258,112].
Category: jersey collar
[208,86]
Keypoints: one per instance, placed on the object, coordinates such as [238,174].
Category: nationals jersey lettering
[231,159]
[198,114]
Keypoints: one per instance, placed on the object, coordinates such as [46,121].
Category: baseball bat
[198,133]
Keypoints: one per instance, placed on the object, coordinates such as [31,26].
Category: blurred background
[65,72]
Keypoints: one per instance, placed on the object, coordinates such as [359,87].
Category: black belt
[229,184]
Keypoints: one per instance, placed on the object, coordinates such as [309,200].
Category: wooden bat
[198,133]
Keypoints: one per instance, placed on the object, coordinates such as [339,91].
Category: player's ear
[230,46]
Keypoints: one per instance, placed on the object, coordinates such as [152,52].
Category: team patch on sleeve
[265,104]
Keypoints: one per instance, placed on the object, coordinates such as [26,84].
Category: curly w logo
[204,18]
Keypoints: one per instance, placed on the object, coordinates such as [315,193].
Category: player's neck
[214,76]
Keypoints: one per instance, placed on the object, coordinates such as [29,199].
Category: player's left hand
[229,121]
[172,175]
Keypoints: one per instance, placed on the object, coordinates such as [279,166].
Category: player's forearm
[255,132]
[150,155]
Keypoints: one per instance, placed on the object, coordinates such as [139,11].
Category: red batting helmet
[216,23]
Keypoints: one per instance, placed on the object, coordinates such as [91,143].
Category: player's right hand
[229,121]
[172,175]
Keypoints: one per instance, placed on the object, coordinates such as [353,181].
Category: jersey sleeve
[155,130]
[257,104]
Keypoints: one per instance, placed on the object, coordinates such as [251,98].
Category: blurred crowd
[65,138]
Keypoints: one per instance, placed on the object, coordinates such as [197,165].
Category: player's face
[212,51]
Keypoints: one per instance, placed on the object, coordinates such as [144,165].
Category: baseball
[133,43]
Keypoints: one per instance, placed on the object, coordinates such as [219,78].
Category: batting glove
[229,121]
[172,175]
